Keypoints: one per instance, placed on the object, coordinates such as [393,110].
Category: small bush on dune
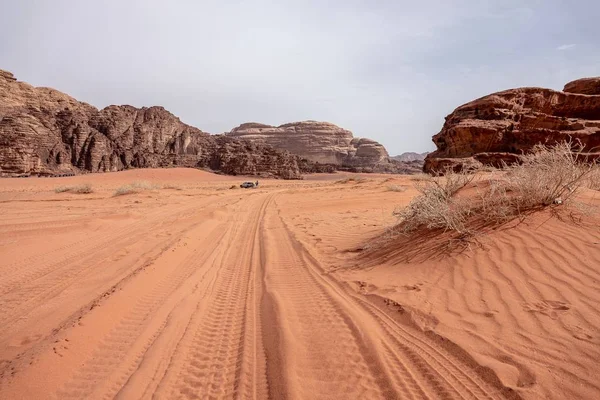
[135,187]
[355,180]
[144,185]
[79,189]
[396,188]
[548,176]
[593,179]
[437,207]
[82,189]
[125,189]
[62,189]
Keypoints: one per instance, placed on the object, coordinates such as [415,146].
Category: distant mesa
[324,145]
[499,127]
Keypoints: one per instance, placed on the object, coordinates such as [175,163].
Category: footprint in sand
[25,340]
[550,308]
[410,288]
[579,333]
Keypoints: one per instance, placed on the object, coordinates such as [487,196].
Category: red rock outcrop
[590,86]
[320,143]
[46,132]
[500,126]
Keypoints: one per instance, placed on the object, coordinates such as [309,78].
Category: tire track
[222,359]
[111,358]
[404,363]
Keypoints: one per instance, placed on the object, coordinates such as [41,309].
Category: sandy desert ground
[297,289]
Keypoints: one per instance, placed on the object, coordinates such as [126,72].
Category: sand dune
[194,290]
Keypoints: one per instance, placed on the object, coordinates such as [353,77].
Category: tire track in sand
[336,344]
[221,357]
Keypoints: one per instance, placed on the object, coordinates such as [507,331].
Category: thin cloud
[565,47]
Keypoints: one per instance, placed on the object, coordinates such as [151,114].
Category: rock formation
[410,157]
[321,144]
[46,132]
[500,126]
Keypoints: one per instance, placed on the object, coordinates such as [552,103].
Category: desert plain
[192,288]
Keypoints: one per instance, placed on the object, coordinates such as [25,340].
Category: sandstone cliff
[500,126]
[320,143]
[46,132]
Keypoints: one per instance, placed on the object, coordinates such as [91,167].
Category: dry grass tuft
[85,188]
[135,187]
[549,176]
[593,179]
[397,188]
[352,180]
[62,189]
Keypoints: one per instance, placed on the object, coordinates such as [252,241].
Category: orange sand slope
[189,288]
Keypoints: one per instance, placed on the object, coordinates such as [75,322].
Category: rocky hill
[410,157]
[320,143]
[500,126]
[46,132]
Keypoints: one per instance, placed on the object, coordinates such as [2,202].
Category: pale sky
[390,70]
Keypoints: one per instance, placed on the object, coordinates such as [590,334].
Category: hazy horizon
[387,70]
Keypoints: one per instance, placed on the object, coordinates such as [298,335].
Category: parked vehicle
[247,185]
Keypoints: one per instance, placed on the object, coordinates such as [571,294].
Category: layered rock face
[319,142]
[46,132]
[498,127]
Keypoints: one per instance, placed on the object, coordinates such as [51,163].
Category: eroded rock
[499,126]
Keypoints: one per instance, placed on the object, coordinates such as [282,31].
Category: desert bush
[143,185]
[82,189]
[437,207]
[135,187]
[396,188]
[62,189]
[593,179]
[355,180]
[79,189]
[546,177]
[125,189]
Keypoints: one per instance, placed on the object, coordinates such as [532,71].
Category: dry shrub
[593,179]
[85,188]
[355,180]
[62,189]
[125,189]
[437,207]
[135,187]
[546,177]
[397,188]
